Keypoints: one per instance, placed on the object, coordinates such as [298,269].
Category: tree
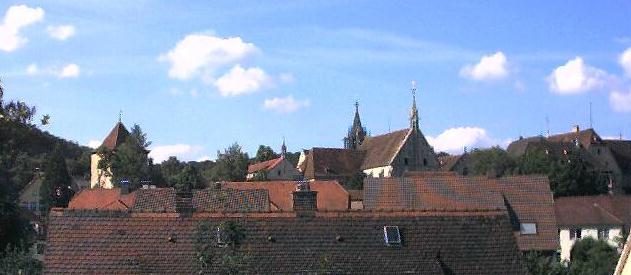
[228,259]
[19,261]
[45,119]
[130,162]
[534,162]
[539,264]
[265,153]
[570,177]
[232,164]
[14,229]
[55,190]
[592,257]
[493,160]
[140,137]
[19,111]
[188,179]
[170,169]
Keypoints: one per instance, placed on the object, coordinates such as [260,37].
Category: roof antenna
[590,115]
[547,127]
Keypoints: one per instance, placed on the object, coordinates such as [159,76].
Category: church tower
[414,111]
[356,133]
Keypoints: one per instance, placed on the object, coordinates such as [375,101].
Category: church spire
[356,133]
[283,148]
[414,112]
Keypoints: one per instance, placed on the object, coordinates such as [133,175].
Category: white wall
[567,243]
[379,172]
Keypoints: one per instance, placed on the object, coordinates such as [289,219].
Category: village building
[609,158]
[457,163]
[274,169]
[526,200]
[304,240]
[603,217]
[388,155]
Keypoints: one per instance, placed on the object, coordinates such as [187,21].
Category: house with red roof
[274,169]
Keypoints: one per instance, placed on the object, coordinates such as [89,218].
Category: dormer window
[391,235]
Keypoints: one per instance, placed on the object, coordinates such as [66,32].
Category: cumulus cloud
[620,101]
[70,71]
[61,32]
[454,140]
[285,105]
[490,67]
[202,54]
[16,18]
[576,77]
[239,81]
[625,61]
[181,151]
[94,144]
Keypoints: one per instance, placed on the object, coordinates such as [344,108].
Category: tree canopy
[232,164]
[265,153]
[56,188]
[592,257]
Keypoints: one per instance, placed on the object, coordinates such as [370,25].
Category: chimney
[576,129]
[184,204]
[124,187]
[305,200]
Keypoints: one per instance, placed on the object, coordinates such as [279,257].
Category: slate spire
[356,133]
[414,112]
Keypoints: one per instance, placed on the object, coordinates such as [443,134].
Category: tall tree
[20,112]
[14,229]
[265,153]
[140,136]
[170,169]
[232,164]
[188,179]
[55,190]
[130,162]
[535,162]
[493,160]
[571,177]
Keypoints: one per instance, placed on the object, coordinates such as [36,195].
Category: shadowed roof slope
[280,243]
[332,163]
[381,150]
[231,200]
[593,210]
[116,137]
[331,195]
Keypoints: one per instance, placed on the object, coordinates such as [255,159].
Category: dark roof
[528,197]
[116,137]
[332,163]
[155,200]
[281,243]
[584,137]
[231,200]
[447,163]
[621,150]
[381,150]
[265,165]
[331,195]
[603,210]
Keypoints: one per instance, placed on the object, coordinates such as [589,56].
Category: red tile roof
[103,199]
[231,200]
[265,165]
[331,195]
[280,243]
[602,210]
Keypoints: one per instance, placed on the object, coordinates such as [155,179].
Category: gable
[381,150]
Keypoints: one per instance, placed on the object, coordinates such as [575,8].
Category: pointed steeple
[356,133]
[283,148]
[414,112]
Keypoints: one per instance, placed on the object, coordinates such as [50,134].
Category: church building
[387,155]
[99,177]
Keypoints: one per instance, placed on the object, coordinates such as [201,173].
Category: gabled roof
[447,163]
[155,200]
[584,137]
[621,150]
[331,195]
[602,210]
[438,243]
[528,197]
[332,163]
[231,200]
[102,199]
[265,165]
[381,150]
[116,137]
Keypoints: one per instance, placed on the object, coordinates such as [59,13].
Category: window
[405,161]
[279,173]
[603,234]
[424,162]
[391,235]
[528,228]
[575,233]
[465,171]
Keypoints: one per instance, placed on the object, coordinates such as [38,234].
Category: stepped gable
[473,242]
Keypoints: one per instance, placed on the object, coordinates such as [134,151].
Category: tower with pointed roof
[100,177]
[414,112]
[356,133]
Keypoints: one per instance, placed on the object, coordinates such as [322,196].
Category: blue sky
[200,75]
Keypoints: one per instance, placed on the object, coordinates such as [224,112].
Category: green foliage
[570,177]
[19,112]
[535,162]
[55,190]
[493,160]
[14,229]
[130,162]
[356,182]
[260,176]
[232,164]
[265,153]
[226,258]
[539,264]
[140,137]
[442,154]
[170,169]
[19,261]
[592,257]
[188,179]
[293,158]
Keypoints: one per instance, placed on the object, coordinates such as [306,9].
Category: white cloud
[181,151]
[454,140]
[576,77]
[94,144]
[620,101]
[239,81]
[285,105]
[625,61]
[32,69]
[15,19]
[490,67]
[201,54]
[61,32]
[70,70]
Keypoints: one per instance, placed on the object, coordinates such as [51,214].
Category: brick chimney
[124,187]
[305,200]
